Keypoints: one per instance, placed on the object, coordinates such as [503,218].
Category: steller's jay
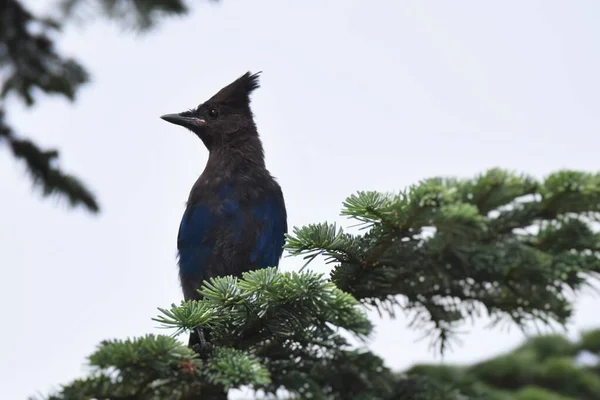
[235,219]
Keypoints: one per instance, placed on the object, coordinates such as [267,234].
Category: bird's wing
[193,240]
[270,214]
[258,237]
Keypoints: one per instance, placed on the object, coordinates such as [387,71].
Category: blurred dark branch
[31,65]
[43,172]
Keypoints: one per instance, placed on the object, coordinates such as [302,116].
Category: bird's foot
[203,347]
[203,342]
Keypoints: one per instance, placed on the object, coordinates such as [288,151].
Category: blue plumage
[235,219]
[259,224]
[269,243]
[195,225]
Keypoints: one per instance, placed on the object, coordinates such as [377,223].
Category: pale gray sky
[355,95]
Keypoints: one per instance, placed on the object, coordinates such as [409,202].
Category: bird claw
[201,337]
[203,347]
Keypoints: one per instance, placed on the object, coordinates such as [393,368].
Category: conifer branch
[501,243]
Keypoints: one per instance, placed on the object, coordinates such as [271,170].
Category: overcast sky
[355,95]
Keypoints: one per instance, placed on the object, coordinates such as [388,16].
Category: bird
[235,218]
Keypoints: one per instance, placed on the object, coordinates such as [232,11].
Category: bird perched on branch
[235,219]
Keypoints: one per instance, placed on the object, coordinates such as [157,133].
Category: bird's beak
[186,122]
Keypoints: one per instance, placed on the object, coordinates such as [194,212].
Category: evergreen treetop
[444,250]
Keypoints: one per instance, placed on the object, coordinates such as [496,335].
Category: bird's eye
[213,113]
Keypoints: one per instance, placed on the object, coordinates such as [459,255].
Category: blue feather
[196,223]
[195,250]
[268,247]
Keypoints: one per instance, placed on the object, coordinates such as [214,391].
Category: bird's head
[225,117]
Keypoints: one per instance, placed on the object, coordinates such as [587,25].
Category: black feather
[238,92]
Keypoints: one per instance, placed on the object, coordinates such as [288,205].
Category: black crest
[238,91]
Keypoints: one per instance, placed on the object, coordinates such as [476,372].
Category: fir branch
[322,239]
[287,320]
[45,174]
[282,303]
[504,243]
[141,15]
[158,367]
